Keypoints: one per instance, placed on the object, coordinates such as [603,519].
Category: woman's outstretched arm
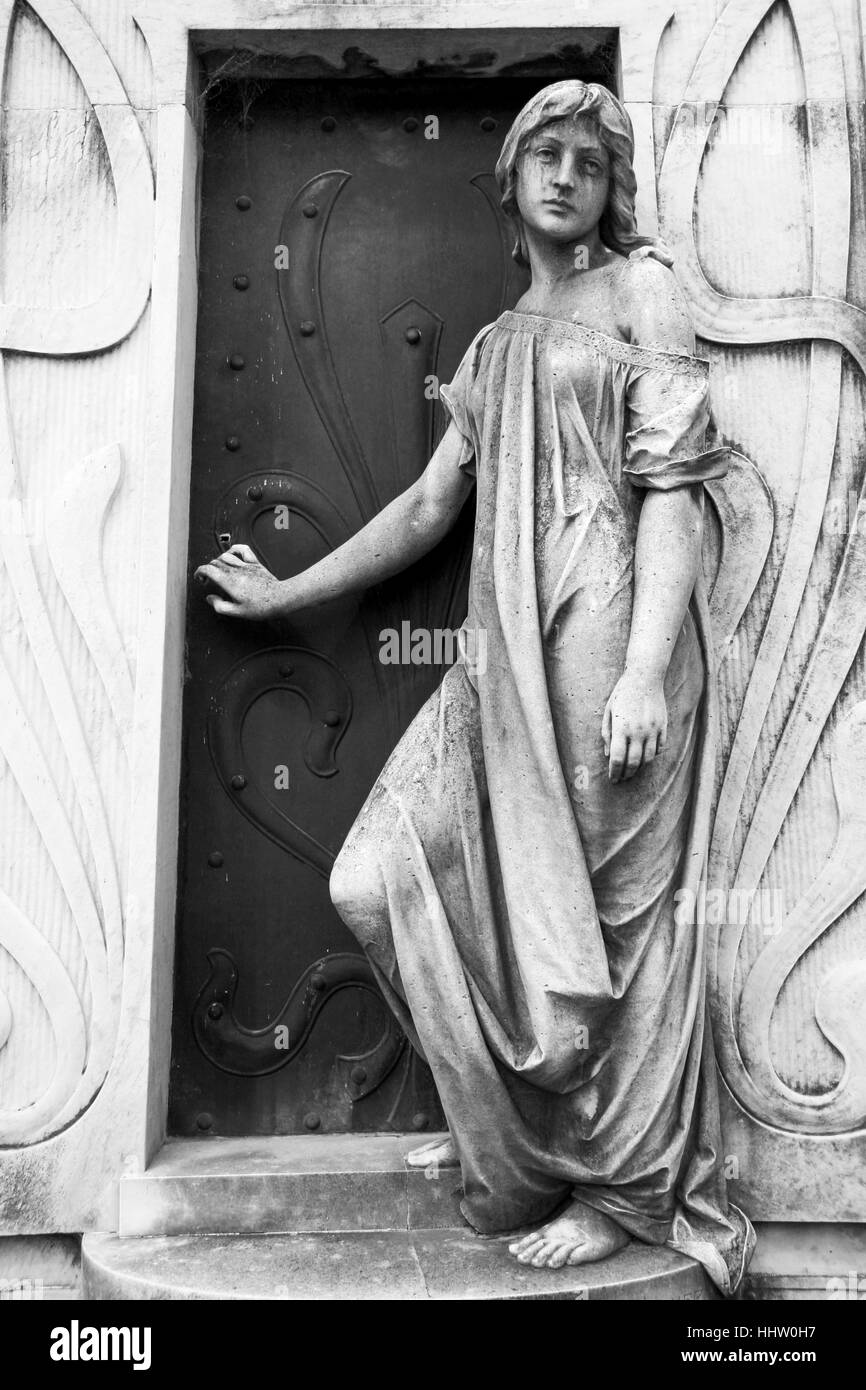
[400,534]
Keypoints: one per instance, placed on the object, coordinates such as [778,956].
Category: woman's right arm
[398,536]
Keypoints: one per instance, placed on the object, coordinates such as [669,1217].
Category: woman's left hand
[635,724]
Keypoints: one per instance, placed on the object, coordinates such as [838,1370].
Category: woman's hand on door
[395,538]
[247,588]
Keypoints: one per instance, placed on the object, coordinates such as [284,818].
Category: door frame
[178,32]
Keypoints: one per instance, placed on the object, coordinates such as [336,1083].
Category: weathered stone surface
[39,1268]
[778,400]
[808,1260]
[375,1265]
[337,1182]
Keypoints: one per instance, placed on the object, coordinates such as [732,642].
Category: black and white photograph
[432,670]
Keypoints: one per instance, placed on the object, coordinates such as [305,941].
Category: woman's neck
[556,264]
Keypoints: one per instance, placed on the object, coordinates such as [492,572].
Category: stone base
[343,1217]
[372,1265]
[331,1217]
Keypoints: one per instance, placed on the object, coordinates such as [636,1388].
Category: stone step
[280,1185]
[408,1265]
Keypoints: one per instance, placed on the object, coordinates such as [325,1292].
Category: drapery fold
[517,907]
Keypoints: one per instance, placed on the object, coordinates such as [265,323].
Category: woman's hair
[577,100]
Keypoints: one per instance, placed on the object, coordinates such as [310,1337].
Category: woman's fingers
[605,729]
[222,605]
[239,556]
[630,752]
[217,573]
[210,572]
[618,753]
[233,594]
[650,748]
[634,756]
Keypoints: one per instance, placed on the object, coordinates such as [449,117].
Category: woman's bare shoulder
[653,306]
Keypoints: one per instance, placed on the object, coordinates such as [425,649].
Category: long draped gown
[519,909]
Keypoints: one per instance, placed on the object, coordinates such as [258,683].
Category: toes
[555,1255]
[561,1256]
[535,1250]
[519,1246]
[421,1149]
[541,1258]
[528,1249]
[525,1257]
[434,1150]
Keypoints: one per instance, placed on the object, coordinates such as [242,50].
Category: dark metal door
[351,246]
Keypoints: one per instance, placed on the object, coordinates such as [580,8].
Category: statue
[512,875]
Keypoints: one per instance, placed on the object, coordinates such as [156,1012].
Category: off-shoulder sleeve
[455,398]
[667,412]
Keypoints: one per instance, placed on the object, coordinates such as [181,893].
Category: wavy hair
[577,100]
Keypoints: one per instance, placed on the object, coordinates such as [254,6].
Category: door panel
[313,409]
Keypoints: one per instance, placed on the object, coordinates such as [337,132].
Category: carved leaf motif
[79,509]
[841,1000]
[721,318]
[43,967]
[301,299]
[407,368]
[113,314]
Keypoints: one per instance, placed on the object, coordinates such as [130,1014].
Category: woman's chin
[561,230]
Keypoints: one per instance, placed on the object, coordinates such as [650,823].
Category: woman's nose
[563,176]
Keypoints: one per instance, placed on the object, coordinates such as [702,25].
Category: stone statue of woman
[513,873]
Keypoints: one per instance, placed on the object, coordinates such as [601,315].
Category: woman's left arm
[667,553]
[667,559]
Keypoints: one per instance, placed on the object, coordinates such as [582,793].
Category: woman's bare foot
[439,1151]
[579,1236]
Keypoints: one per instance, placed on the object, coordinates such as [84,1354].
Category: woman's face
[563,178]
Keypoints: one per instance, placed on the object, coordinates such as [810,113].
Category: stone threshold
[415,1265]
[297,1184]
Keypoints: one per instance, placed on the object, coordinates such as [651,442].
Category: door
[351,247]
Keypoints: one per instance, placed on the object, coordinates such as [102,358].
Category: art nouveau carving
[79,838]
[839,1004]
[79,508]
[829,322]
[744,507]
[303,230]
[113,314]
[328,701]
[254,1052]
[817,755]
